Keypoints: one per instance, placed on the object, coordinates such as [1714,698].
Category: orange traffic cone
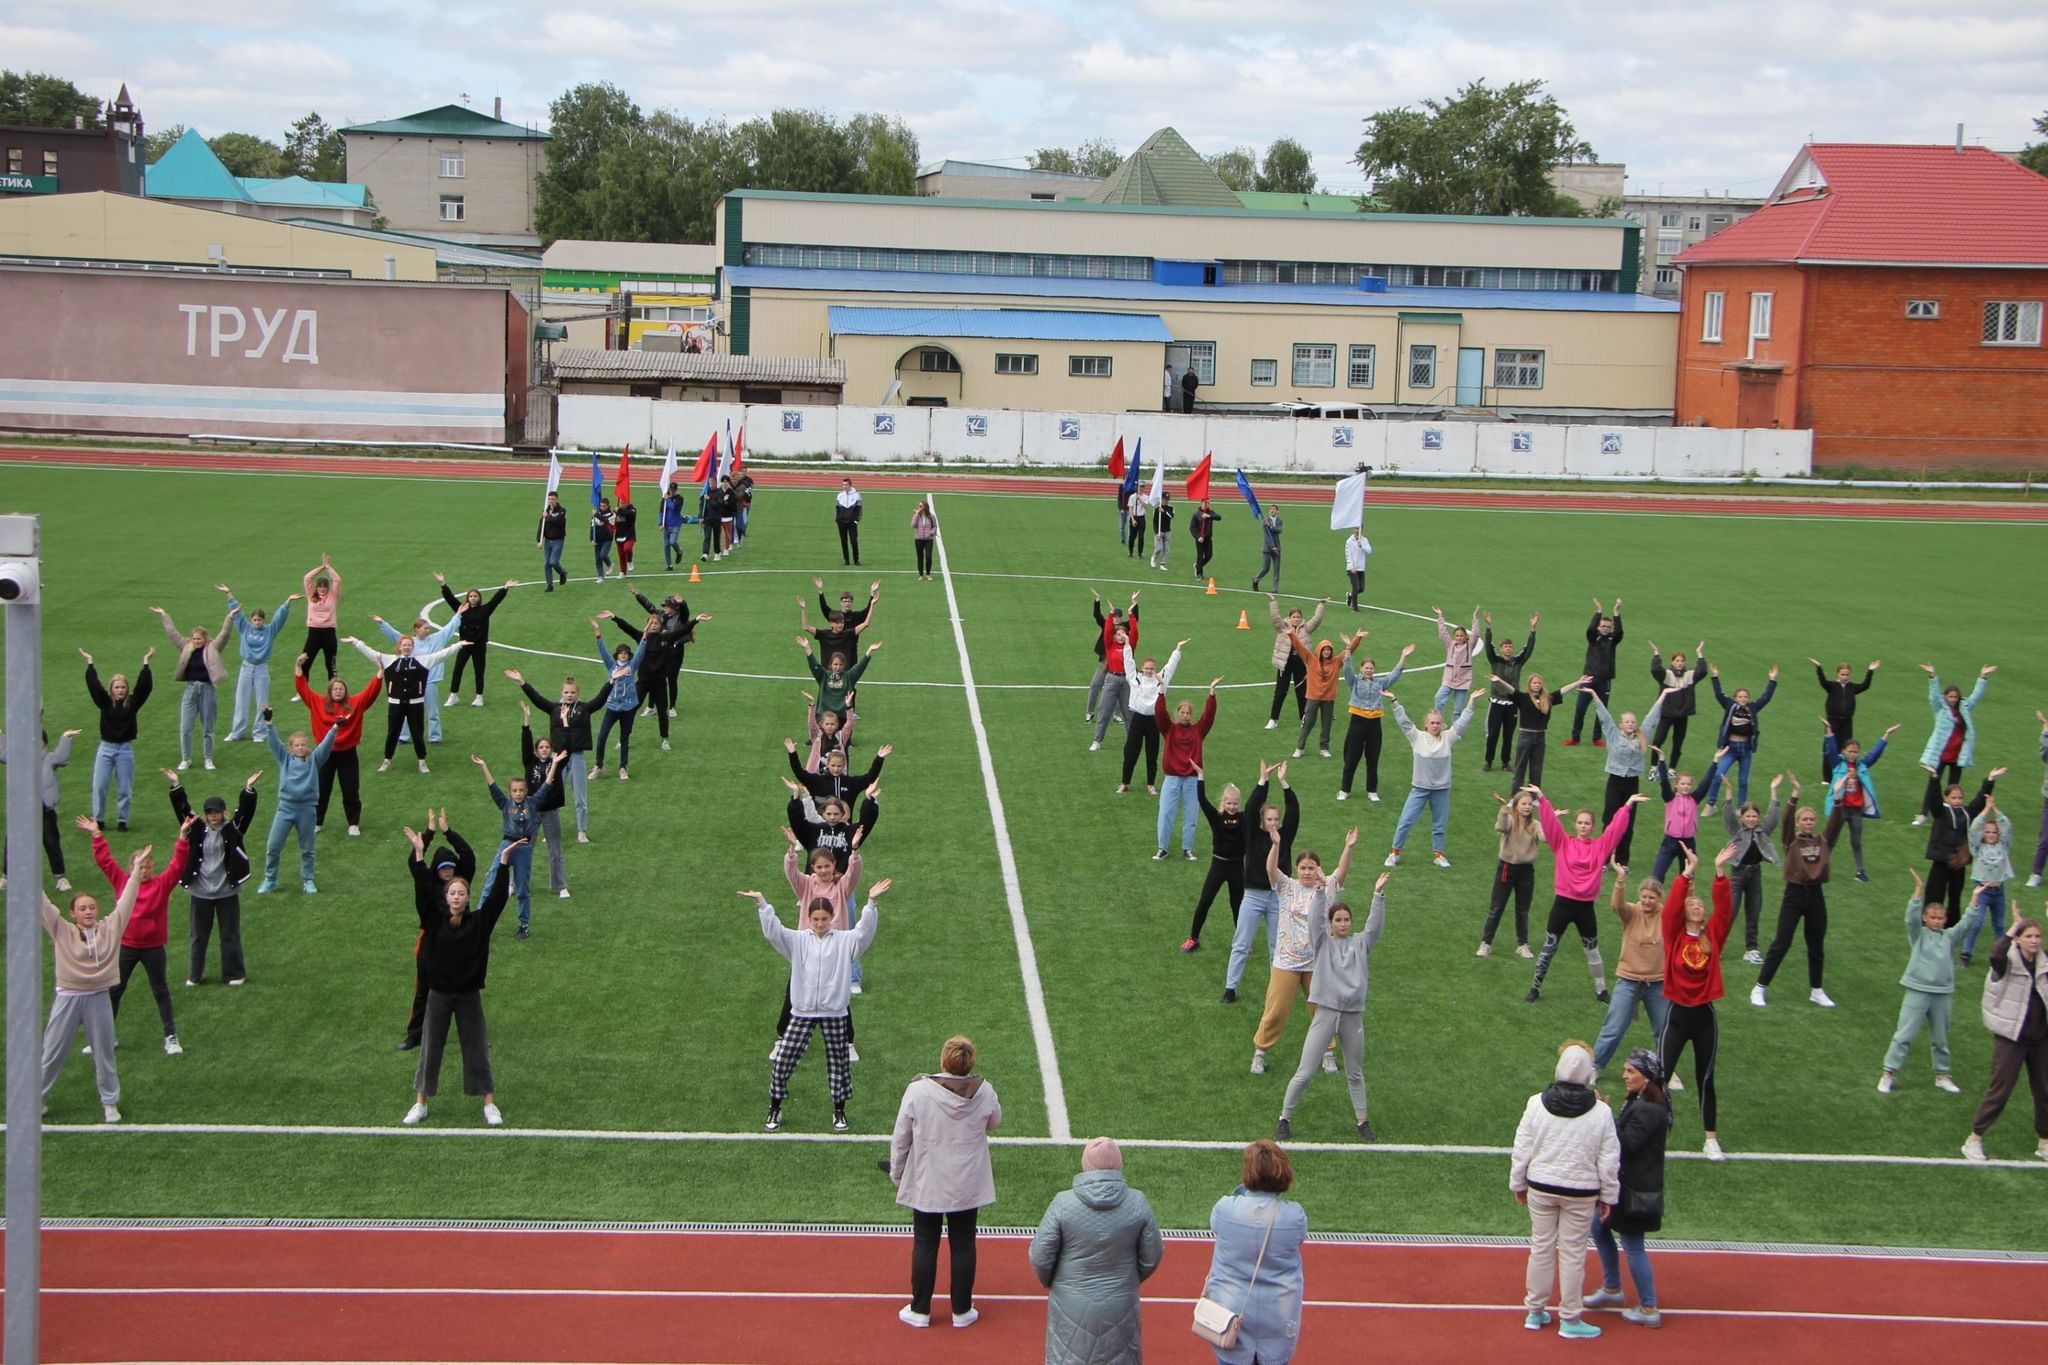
[1212,589]
[1242,622]
[695,577]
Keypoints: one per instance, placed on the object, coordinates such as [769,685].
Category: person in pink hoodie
[323,607]
[1582,858]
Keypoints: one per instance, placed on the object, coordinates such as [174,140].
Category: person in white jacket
[821,962]
[1567,1160]
[1141,727]
[939,1164]
[1357,550]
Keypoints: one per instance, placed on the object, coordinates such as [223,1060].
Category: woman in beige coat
[939,1163]
[1288,670]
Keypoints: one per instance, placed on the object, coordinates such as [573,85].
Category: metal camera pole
[21,599]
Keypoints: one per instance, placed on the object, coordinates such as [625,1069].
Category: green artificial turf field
[646,1003]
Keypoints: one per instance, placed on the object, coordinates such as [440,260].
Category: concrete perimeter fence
[906,435]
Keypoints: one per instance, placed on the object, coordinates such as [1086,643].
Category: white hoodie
[1145,692]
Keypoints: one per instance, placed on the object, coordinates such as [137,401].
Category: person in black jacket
[1276,824]
[625,530]
[831,830]
[1643,1126]
[602,524]
[1680,704]
[474,632]
[554,530]
[834,780]
[1188,381]
[846,509]
[1501,711]
[115,759]
[456,947]
[569,733]
[214,873]
[455,859]
[1202,526]
[537,758]
[1841,693]
[1948,846]
[1228,825]
[854,615]
[1603,638]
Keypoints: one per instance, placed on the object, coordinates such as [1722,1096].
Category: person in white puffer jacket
[1145,683]
[1567,1160]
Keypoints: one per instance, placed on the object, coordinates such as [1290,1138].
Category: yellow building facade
[124,227]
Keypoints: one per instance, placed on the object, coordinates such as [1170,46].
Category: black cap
[214,803]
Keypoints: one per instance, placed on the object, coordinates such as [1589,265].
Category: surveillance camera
[19,582]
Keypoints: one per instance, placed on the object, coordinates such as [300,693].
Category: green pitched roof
[450,120]
[1165,171]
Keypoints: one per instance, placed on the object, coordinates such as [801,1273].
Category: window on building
[1923,310]
[1517,369]
[1088,366]
[49,163]
[1712,303]
[1202,360]
[1043,198]
[1666,277]
[1358,372]
[14,161]
[938,362]
[1669,220]
[1016,364]
[1315,365]
[451,165]
[1719,220]
[1759,321]
[1265,373]
[1422,367]
[1695,223]
[451,208]
[2012,324]
[1670,243]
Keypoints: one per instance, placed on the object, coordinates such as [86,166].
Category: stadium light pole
[21,599]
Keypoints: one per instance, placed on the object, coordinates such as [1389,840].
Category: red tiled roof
[1895,205]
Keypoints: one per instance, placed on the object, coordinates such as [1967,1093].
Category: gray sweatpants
[1095,688]
[551,826]
[1348,1027]
[1113,705]
[68,1013]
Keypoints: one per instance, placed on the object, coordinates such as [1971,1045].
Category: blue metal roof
[1000,323]
[1144,291]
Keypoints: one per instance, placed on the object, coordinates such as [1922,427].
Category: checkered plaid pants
[790,1049]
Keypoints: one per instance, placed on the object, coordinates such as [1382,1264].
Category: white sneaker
[856,988]
[1094,745]
[1324,752]
[1677,1084]
[967,1319]
[355,831]
[1441,861]
[385,766]
[1713,1151]
[63,883]
[1753,958]
[646,711]
[1373,797]
[209,765]
[915,1319]
[672,712]
[1918,821]
[1819,997]
[664,746]
[493,1116]
[1258,1061]
[423,765]
[1974,1149]
[1756,997]
[239,981]
[190,982]
[1272,725]
[110,1113]
[1884,1084]
[451,700]
[1343,796]
[581,837]
[852,1054]
[1330,1062]
[414,1114]
[1297,753]
[2032,881]
[622,774]
[563,893]
[2041,1150]
[476,701]
[1485,950]
[185,763]
[172,1047]
[1522,950]
[597,770]
[1393,860]
[1948,1083]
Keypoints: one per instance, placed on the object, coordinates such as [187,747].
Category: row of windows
[1315,367]
[2005,322]
[17,163]
[1037,265]
[675,314]
[1078,366]
[1420,276]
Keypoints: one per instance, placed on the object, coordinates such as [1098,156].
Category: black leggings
[321,641]
[653,688]
[1357,577]
[343,767]
[1936,787]
[1945,884]
[1203,550]
[1530,747]
[1500,728]
[1566,913]
[1619,790]
[849,542]
[1222,872]
[152,960]
[924,556]
[1295,673]
[1362,739]
[1700,1026]
[924,1258]
[53,845]
[1672,728]
[1134,541]
[470,656]
[1142,730]
[1519,879]
[397,714]
[1802,902]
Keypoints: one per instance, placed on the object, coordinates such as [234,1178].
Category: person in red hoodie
[336,707]
[1181,736]
[1692,982]
[149,926]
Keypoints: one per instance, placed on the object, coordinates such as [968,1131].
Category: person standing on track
[1357,554]
[1202,526]
[1256,1264]
[342,714]
[1363,735]
[114,760]
[1581,861]
[259,634]
[1096,1244]
[1603,638]
[924,535]
[85,958]
[1566,1170]
[1141,728]
[549,538]
[1643,1128]
[1430,781]
[474,632]
[1182,736]
[456,948]
[821,961]
[939,1164]
[323,608]
[1692,983]
[846,509]
[1506,680]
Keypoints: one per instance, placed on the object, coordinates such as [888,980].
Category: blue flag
[1131,472]
[596,483]
[1244,486]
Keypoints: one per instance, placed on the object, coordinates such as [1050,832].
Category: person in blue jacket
[1740,731]
[298,799]
[1259,1233]
[623,703]
[1848,769]
[672,520]
[1954,742]
[258,635]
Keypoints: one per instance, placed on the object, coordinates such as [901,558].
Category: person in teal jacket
[1954,741]
[425,642]
[624,702]
[1848,769]
[298,799]
[258,634]
[1930,983]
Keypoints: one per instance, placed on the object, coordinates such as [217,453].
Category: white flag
[668,469]
[554,472]
[1347,512]
[1158,481]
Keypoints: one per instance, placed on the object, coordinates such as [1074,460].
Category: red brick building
[1888,297]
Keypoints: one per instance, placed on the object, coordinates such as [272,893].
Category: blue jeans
[252,694]
[603,552]
[578,768]
[1257,907]
[1438,799]
[550,562]
[116,761]
[521,863]
[290,816]
[1455,696]
[671,551]
[740,526]
[1177,793]
[1621,1012]
[199,708]
[1671,850]
[1638,1262]
[1740,751]
[1994,915]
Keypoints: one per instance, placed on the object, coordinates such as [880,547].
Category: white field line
[1000,1140]
[892,1295]
[1027,956]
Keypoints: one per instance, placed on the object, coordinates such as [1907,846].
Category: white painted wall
[595,423]
[862,439]
[1610,450]
[1524,450]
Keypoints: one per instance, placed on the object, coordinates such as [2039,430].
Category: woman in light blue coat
[1094,1246]
[1954,741]
[1242,1221]
[259,634]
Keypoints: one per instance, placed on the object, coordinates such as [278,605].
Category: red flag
[624,486]
[739,452]
[1116,461]
[701,470]
[1198,480]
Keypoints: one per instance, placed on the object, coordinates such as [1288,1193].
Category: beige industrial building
[926,300]
[953,179]
[103,226]
[454,172]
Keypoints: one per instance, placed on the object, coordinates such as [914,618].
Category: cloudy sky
[1690,96]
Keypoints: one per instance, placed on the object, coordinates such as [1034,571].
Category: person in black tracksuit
[474,633]
[1500,694]
[549,539]
[1603,638]
[1228,825]
[835,835]
[569,733]
[1681,704]
[537,760]
[1841,699]
[457,952]
[1202,526]
[602,524]
[1948,846]
[215,891]
[625,530]
[405,693]
[457,859]
[834,779]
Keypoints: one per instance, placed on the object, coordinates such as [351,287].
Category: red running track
[468,1295]
[1682,504]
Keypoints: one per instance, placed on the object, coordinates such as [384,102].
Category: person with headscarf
[1644,1123]
[1097,1242]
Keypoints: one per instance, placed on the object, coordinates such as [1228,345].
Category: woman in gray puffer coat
[1097,1241]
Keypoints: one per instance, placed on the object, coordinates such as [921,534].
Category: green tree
[155,144]
[1287,169]
[800,149]
[315,150]
[250,155]
[40,100]
[1098,157]
[887,152]
[585,122]
[1485,151]
[2035,158]
[1237,168]
[1054,159]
